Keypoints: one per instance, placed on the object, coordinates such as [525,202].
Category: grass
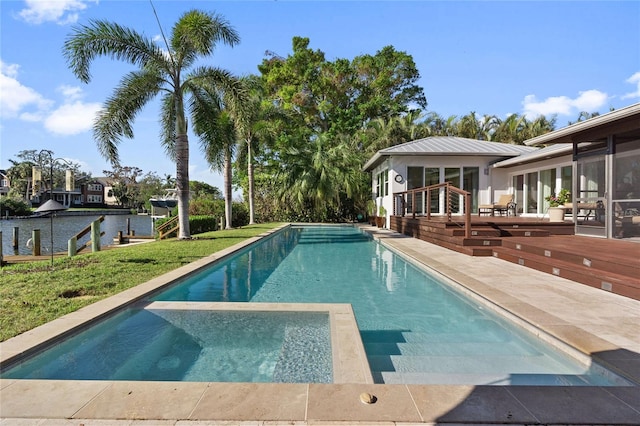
[34,293]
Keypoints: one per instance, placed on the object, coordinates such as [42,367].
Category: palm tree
[216,110]
[259,123]
[170,71]
[316,176]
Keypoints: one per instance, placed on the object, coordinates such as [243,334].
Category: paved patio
[595,324]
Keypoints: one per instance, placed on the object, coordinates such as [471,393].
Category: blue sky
[489,57]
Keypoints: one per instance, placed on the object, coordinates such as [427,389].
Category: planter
[380,221]
[556,214]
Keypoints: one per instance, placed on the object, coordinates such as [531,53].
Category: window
[453,175]
[432,177]
[94,198]
[382,183]
[566,178]
[547,187]
[518,192]
[94,187]
[471,183]
[415,179]
[532,192]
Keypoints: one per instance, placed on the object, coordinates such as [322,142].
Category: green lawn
[33,294]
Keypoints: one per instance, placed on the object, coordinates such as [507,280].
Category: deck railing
[94,242]
[168,227]
[401,200]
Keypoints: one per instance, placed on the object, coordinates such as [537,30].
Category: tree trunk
[182,170]
[227,187]
[250,176]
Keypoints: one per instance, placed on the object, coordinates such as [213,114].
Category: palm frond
[115,120]
[196,34]
[102,38]
[168,125]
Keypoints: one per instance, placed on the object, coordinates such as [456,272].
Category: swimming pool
[414,328]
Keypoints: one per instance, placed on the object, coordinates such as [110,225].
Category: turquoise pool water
[192,345]
[414,328]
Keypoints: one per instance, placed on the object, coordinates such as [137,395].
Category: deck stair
[611,265]
[485,233]
[596,266]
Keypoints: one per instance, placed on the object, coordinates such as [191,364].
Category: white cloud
[634,79]
[24,103]
[72,118]
[16,97]
[61,12]
[589,100]
[71,93]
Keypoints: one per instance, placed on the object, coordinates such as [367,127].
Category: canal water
[65,227]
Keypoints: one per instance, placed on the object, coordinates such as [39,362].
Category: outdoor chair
[502,205]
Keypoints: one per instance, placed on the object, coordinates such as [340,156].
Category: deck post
[35,239]
[16,235]
[95,235]
[467,215]
[413,204]
[72,246]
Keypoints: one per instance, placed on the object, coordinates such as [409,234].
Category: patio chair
[502,205]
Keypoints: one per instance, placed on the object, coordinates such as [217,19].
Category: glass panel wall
[415,179]
[626,196]
[547,187]
[566,178]
[591,213]
[518,189]
[453,175]
[471,183]
[531,193]
[432,177]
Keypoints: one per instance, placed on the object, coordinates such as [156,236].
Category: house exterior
[605,163]
[597,161]
[4,183]
[466,163]
[93,193]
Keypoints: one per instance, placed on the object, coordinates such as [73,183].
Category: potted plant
[371,211]
[382,217]
[556,205]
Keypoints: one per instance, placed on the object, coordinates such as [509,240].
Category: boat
[161,206]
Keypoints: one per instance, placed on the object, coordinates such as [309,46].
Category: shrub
[10,206]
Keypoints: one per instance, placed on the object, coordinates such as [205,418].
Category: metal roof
[550,151]
[449,146]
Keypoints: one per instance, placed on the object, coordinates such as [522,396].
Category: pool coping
[252,403]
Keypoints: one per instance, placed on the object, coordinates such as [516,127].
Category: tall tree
[170,69]
[329,101]
[217,109]
[258,125]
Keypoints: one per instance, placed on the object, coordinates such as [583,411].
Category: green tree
[256,129]
[125,187]
[21,172]
[170,70]
[329,106]
[204,190]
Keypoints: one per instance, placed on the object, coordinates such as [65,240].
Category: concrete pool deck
[600,325]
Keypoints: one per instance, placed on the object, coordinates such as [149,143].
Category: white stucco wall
[398,166]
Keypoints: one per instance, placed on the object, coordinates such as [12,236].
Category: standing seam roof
[450,145]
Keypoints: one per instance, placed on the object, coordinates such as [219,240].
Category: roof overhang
[380,156]
[622,121]
[549,152]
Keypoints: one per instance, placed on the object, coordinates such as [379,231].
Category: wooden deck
[611,265]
